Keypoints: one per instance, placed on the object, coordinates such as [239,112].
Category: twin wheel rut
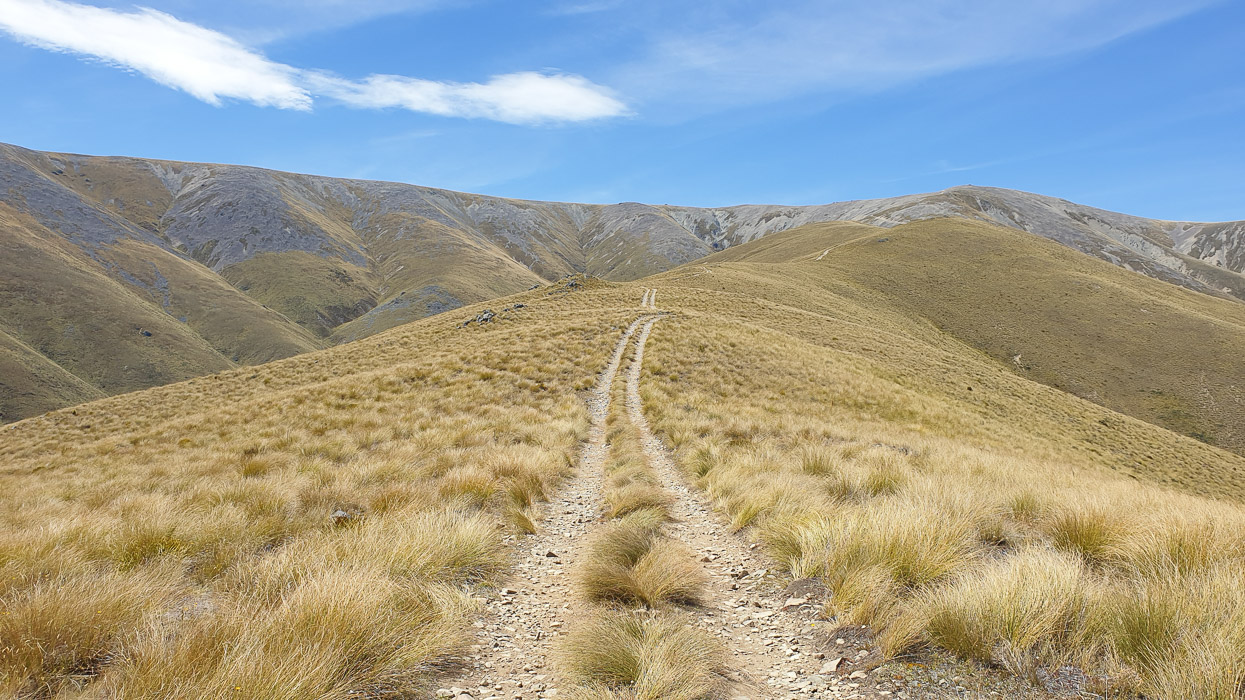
[767,630]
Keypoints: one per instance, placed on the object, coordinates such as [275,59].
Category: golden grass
[1011,523]
[630,561]
[842,435]
[59,630]
[634,564]
[1048,313]
[640,657]
[301,529]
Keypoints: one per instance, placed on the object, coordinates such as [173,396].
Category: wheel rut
[523,617]
[764,624]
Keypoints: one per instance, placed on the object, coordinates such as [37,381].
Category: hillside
[226,265]
[356,520]
[1040,310]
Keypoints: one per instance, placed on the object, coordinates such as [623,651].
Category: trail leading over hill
[523,618]
[765,629]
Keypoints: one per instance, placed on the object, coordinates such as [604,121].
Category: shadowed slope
[34,384]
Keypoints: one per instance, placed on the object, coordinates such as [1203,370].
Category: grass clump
[798,539]
[1094,532]
[616,655]
[59,631]
[632,563]
[1184,637]
[1036,605]
[338,627]
[875,555]
[635,496]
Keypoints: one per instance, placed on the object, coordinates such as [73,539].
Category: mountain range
[124,273]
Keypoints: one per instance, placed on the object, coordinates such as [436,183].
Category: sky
[1130,105]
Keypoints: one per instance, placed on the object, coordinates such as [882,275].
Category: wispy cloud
[212,66]
[584,8]
[708,57]
[516,98]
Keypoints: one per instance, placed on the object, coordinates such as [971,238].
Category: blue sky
[1131,105]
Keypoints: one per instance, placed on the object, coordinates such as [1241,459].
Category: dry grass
[634,564]
[618,655]
[631,561]
[300,529]
[945,500]
[842,434]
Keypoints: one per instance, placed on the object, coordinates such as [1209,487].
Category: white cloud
[204,63]
[516,98]
[211,66]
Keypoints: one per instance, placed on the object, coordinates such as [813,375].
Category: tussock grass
[1033,605]
[798,540]
[639,656]
[635,496]
[875,554]
[308,644]
[842,435]
[631,484]
[630,562]
[300,529]
[58,631]
[1092,531]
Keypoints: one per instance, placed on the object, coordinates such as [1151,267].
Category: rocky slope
[129,272]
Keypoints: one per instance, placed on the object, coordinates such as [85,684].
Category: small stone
[830,666]
[857,674]
[794,603]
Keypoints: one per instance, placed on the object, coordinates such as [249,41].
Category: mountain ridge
[248,264]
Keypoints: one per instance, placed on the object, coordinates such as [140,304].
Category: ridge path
[511,660]
[767,630]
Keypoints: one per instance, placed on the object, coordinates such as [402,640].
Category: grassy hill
[308,527]
[1146,349]
[164,319]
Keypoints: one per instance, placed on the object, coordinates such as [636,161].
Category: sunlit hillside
[127,273]
[1147,349]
